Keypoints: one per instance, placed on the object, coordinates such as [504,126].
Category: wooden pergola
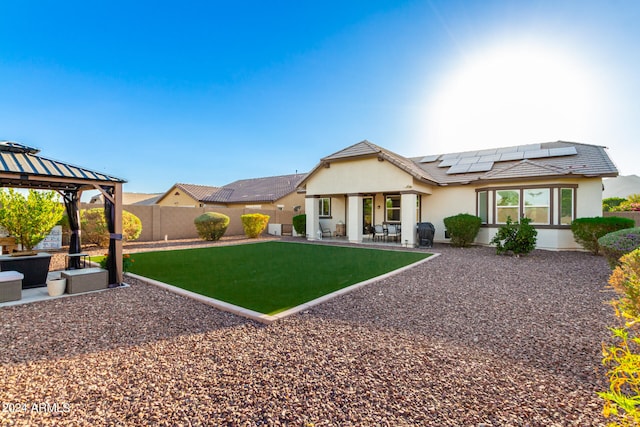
[22,167]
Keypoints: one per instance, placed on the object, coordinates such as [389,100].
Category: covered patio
[22,167]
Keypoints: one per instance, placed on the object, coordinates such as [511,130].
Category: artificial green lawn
[269,277]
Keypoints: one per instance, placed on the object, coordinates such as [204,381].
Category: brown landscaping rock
[468,338]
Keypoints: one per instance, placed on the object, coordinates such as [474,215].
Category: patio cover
[22,167]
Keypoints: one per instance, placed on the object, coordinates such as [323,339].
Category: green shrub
[631,203]
[95,231]
[463,229]
[300,224]
[519,239]
[587,231]
[610,203]
[254,224]
[623,356]
[211,225]
[618,243]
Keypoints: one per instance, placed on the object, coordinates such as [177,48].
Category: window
[507,205]
[566,206]
[324,208]
[551,206]
[393,208]
[536,205]
[483,207]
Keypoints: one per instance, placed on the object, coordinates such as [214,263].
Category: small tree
[29,219]
[520,239]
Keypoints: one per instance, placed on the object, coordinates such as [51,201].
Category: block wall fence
[175,223]
[629,214]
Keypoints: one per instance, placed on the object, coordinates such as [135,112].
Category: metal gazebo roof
[21,166]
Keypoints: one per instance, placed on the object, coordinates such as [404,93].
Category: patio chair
[379,232]
[393,232]
[325,231]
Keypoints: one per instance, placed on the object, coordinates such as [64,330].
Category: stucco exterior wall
[359,176]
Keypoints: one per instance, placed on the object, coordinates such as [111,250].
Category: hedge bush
[587,231]
[300,224]
[211,225]
[517,238]
[622,356]
[610,203]
[463,229]
[618,243]
[95,231]
[254,224]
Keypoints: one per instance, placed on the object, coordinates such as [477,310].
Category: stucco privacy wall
[177,222]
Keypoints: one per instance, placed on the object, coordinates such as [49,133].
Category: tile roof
[197,192]
[267,189]
[560,158]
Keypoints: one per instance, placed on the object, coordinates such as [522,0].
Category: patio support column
[408,218]
[354,220]
[311,208]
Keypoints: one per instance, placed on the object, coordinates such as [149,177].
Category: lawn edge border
[267,318]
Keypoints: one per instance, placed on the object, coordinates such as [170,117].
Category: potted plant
[29,219]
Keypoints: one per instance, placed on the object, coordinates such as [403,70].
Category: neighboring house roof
[621,186]
[20,159]
[196,192]
[268,189]
[549,159]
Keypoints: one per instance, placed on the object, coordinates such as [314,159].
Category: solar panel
[562,151]
[469,160]
[490,158]
[530,147]
[517,155]
[536,154]
[480,167]
[448,162]
[458,169]
[450,156]
[429,159]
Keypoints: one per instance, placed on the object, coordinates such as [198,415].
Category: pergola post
[118,230]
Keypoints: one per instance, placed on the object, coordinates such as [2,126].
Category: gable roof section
[524,169]
[364,149]
[267,189]
[196,192]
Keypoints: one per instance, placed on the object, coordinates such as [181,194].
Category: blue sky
[208,92]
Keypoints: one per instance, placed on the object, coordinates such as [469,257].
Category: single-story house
[364,185]
[130,198]
[271,193]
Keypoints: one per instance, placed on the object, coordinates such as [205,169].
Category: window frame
[321,212]
[388,197]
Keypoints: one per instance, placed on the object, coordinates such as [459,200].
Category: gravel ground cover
[466,339]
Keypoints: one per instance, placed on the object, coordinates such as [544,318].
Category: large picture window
[551,206]
[537,205]
[393,208]
[324,208]
[507,205]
